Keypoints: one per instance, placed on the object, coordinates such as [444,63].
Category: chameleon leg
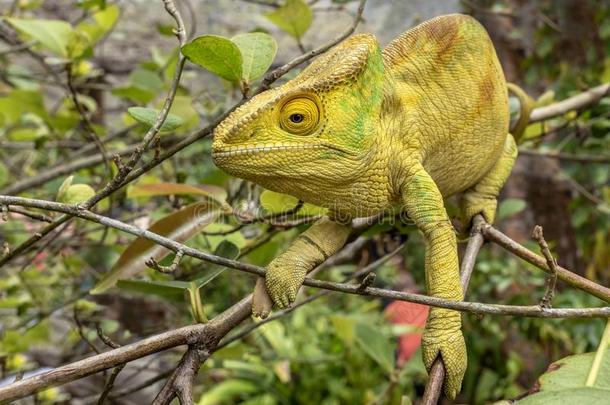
[482,197]
[442,336]
[286,273]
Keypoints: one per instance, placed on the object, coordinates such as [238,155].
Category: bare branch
[577,102]
[492,234]
[180,383]
[538,236]
[567,156]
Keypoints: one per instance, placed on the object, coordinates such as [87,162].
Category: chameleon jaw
[241,150]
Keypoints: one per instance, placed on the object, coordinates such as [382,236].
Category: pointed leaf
[52,34]
[258,51]
[148,117]
[376,345]
[217,54]
[294,17]
[179,226]
[224,249]
[510,207]
[159,189]
[170,289]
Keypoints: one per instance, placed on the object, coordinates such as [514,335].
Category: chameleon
[363,130]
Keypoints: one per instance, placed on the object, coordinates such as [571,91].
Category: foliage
[338,349]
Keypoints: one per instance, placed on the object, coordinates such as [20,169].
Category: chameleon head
[318,128]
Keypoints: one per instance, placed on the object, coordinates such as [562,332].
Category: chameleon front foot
[283,284]
[443,337]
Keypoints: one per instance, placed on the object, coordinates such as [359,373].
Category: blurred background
[339,349]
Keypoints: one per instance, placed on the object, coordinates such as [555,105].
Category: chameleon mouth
[244,150]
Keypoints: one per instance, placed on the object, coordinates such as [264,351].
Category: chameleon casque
[363,130]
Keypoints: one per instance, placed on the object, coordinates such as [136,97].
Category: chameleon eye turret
[300,115]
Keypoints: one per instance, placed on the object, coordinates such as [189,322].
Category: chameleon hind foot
[442,337]
[261,301]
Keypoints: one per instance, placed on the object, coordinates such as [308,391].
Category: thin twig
[152,263]
[567,156]
[577,102]
[551,282]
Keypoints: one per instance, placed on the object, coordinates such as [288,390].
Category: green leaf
[170,289]
[275,203]
[69,193]
[565,380]
[215,193]
[226,391]
[376,345]
[104,21]
[294,17]
[77,193]
[224,249]
[510,207]
[179,226]
[258,51]
[148,116]
[3,174]
[217,54]
[52,34]
[134,94]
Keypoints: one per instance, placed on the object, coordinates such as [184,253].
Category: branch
[577,102]
[567,156]
[180,383]
[493,235]
[533,311]
[206,334]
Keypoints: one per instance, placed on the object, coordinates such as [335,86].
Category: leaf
[217,54]
[52,34]
[77,193]
[258,51]
[134,94]
[294,17]
[69,193]
[216,193]
[3,174]
[510,207]
[104,21]
[376,345]
[148,116]
[565,380]
[228,390]
[179,226]
[275,203]
[170,289]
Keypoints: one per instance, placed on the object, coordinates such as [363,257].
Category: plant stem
[599,355]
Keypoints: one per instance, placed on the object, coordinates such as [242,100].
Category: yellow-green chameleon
[363,130]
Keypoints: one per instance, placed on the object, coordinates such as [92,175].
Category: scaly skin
[363,130]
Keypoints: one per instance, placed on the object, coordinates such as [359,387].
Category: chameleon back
[446,99]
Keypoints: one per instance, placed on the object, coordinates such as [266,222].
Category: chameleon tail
[526,103]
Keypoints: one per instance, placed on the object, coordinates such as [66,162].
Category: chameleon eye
[299,116]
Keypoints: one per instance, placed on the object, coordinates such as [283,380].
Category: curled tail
[526,105]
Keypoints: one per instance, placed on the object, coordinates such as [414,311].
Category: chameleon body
[362,130]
